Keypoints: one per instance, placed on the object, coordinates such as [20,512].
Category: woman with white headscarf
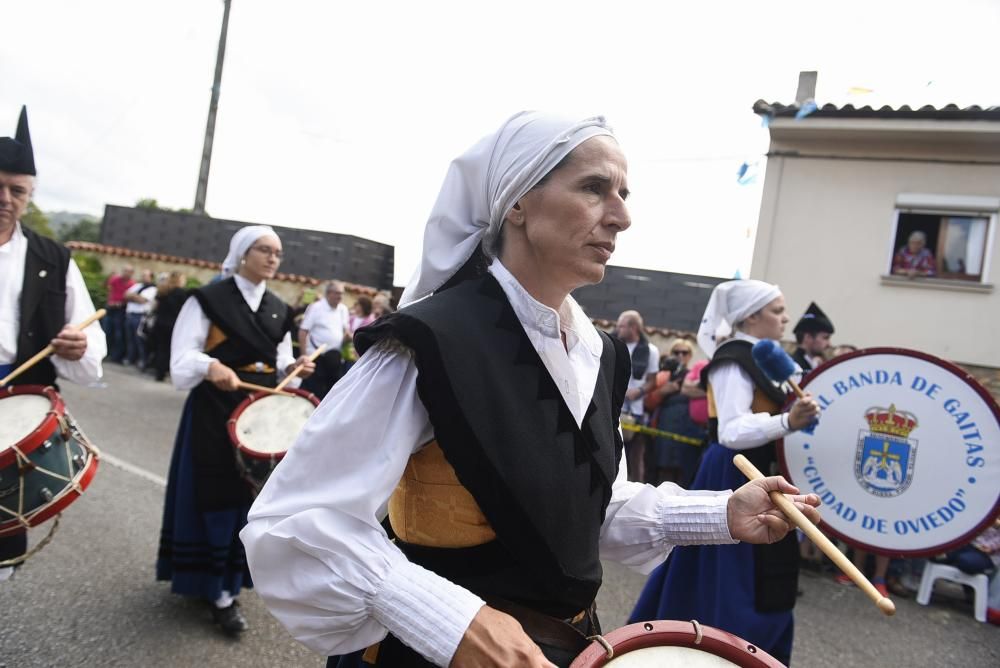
[484,417]
[229,331]
[748,590]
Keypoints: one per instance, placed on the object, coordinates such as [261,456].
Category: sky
[343,117]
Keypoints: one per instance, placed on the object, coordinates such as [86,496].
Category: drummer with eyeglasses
[41,293]
[229,332]
[484,415]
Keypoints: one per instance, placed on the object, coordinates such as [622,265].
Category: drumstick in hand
[817,537]
[47,350]
[260,388]
[312,358]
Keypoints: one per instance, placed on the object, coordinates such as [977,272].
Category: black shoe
[230,619]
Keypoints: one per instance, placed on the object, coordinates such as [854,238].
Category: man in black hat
[41,292]
[812,333]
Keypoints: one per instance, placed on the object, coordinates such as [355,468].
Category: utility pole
[213,107]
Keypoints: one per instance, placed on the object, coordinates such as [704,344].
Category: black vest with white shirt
[43,305]
[542,481]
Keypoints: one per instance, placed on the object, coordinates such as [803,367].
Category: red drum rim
[667,633]
[41,433]
[59,503]
[231,425]
[955,370]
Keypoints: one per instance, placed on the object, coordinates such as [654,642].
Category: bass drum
[664,644]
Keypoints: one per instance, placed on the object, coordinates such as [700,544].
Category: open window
[943,237]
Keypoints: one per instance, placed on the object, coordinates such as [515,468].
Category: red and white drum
[663,644]
[264,426]
[46,462]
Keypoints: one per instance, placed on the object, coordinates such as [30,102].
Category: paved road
[89,598]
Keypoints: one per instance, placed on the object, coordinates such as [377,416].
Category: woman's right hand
[803,413]
[496,640]
[222,377]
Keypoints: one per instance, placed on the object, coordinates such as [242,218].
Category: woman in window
[914,259]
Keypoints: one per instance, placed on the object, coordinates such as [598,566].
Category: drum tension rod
[608,649]
[697,631]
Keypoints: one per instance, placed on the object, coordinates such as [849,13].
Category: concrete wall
[824,235]
[665,300]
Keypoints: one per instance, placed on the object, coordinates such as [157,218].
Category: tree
[86,229]
[37,221]
[151,203]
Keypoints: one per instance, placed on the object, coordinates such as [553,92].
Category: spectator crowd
[142,312]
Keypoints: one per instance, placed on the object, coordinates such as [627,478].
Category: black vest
[776,566]
[800,358]
[542,482]
[43,305]
[740,352]
[640,357]
[250,337]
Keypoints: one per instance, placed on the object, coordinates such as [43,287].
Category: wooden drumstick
[312,358]
[795,388]
[48,350]
[819,538]
[260,388]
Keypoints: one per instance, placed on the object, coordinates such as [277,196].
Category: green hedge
[94,277]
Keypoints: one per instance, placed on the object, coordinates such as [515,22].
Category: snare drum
[664,644]
[46,462]
[263,427]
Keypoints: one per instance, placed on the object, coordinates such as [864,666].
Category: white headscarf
[485,182]
[239,245]
[732,302]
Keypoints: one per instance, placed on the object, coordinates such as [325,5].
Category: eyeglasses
[264,250]
[680,352]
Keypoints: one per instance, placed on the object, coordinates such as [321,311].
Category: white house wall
[824,235]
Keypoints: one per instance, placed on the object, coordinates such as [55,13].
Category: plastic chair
[979,583]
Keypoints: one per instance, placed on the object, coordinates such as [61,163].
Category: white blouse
[739,428]
[188,361]
[319,557]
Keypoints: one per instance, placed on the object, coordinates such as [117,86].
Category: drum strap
[570,635]
[568,638]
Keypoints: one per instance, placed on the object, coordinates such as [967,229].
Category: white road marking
[133,469]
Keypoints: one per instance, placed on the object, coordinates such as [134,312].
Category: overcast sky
[343,116]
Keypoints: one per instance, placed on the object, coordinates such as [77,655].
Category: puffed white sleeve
[643,523]
[319,557]
[78,308]
[285,358]
[739,427]
[188,361]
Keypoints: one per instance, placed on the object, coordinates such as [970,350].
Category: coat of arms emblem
[885,456]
